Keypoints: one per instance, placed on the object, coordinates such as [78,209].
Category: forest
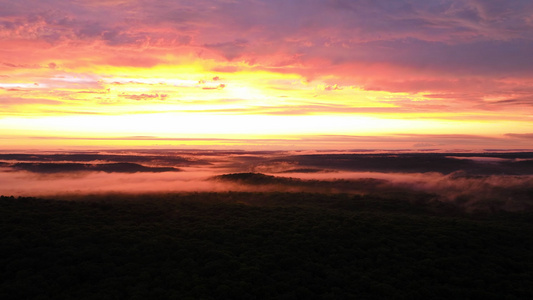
[261,245]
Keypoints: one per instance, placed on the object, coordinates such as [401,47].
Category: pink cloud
[467,50]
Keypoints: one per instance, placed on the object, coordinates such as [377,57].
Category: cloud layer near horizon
[465,61]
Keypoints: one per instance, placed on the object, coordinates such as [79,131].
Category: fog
[24,183]
[470,180]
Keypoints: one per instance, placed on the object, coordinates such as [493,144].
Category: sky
[254,74]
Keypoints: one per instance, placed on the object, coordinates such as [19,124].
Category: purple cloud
[439,47]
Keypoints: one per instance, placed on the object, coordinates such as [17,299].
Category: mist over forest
[260,225]
[261,149]
[473,181]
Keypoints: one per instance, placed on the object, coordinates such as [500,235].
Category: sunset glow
[266,74]
[266,149]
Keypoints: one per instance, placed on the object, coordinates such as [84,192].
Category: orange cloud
[452,61]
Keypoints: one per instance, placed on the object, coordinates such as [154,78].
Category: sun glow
[121,69]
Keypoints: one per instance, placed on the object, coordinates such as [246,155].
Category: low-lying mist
[471,181]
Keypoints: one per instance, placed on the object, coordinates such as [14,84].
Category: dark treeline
[472,193]
[45,168]
[88,157]
[259,246]
[512,163]
[367,185]
[445,163]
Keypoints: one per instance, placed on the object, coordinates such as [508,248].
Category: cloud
[444,36]
[24,66]
[445,142]
[521,135]
[453,58]
[146,97]
[230,50]
[218,87]
[334,87]
[424,145]
[15,101]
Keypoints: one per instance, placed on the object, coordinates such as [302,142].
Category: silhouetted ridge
[75,167]
[110,158]
[305,170]
[365,185]
[255,178]
[445,163]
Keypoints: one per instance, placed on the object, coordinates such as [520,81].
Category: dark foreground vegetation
[260,246]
